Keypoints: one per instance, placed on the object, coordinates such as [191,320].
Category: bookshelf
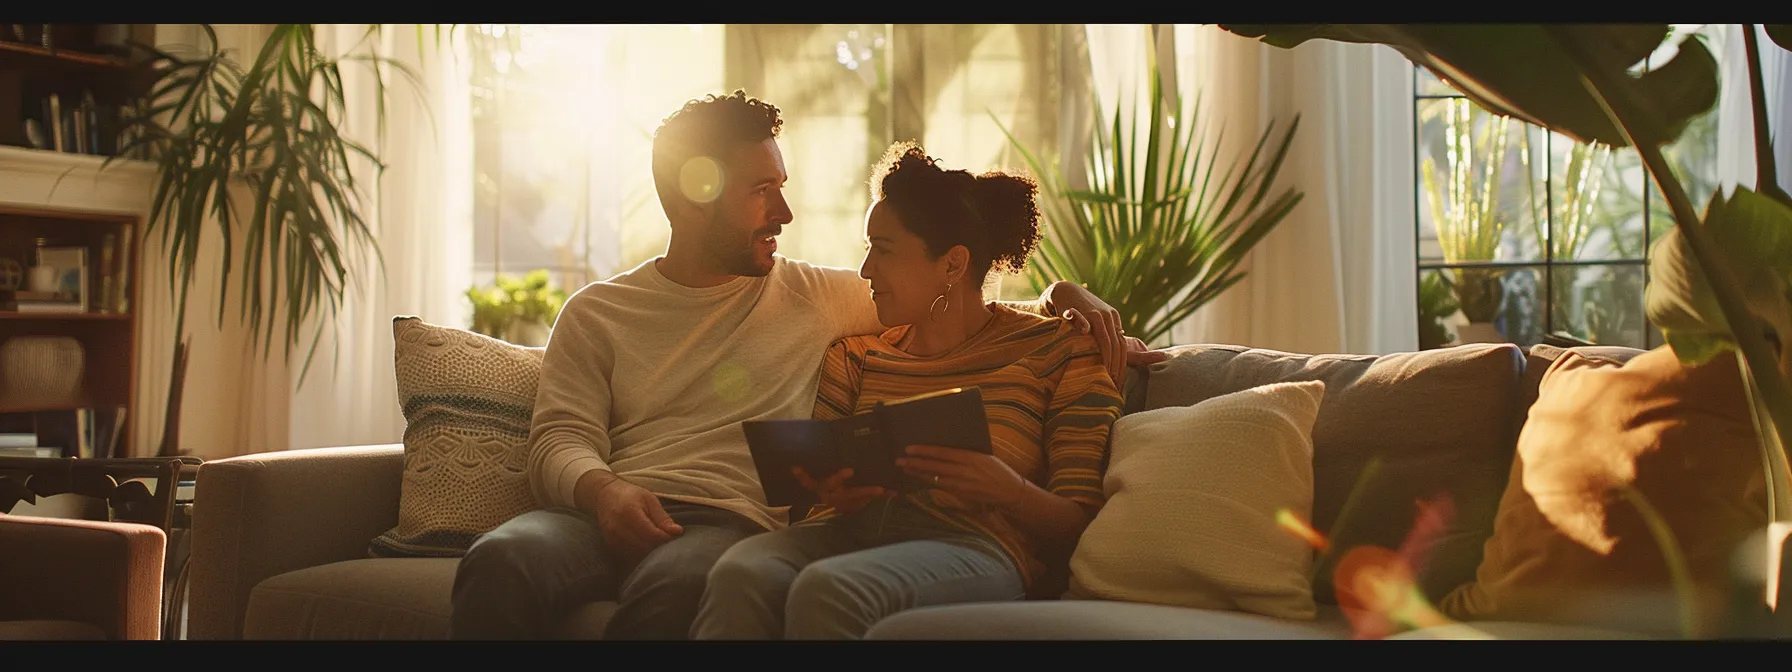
[68,373]
[66,92]
[70,400]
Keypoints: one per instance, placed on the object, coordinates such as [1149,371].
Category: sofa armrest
[105,574]
[261,515]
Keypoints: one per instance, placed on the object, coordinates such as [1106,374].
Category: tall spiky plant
[1465,205]
[1155,235]
[273,129]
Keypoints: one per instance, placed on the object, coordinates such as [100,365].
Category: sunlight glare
[700,179]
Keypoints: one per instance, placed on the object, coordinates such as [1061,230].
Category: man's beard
[732,255]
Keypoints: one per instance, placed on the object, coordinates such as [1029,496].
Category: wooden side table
[118,482]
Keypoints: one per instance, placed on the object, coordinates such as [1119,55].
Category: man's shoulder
[804,276]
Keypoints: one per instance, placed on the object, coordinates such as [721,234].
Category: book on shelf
[30,451]
[38,307]
[121,290]
[18,440]
[104,302]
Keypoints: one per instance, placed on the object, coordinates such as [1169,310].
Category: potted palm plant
[1465,208]
[1154,235]
[271,129]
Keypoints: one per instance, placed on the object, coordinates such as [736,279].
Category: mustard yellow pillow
[1570,546]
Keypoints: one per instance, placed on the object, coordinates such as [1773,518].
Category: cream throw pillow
[1193,493]
[468,400]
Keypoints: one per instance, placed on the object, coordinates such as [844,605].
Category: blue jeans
[835,579]
[518,580]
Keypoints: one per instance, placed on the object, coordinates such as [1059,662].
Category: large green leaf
[1522,71]
[1780,33]
[1754,234]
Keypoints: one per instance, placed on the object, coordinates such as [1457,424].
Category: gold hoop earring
[936,301]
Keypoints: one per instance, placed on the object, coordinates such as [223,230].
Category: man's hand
[1095,317]
[967,475]
[632,520]
[834,493]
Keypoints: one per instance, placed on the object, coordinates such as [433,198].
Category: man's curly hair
[708,126]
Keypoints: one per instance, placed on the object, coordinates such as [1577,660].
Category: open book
[868,443]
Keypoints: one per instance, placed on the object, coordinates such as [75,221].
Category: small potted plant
[521,311]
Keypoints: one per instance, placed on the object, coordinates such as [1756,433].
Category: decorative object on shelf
[519,311]
[34,134]
[221,122]
[43,369]
[67,266]
[1148,235]
[112,39]
[43,279]
[12,274]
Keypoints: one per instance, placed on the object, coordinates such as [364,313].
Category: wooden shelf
[22,405]
[100,317]
[27,53]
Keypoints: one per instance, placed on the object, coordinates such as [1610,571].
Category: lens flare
[1292,523]
[700,179]
[731,382]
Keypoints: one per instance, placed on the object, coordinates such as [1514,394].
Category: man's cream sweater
[650,379]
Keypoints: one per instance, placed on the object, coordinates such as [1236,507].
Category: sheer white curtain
[1735,122]
[421,214]
[233,401]
[1336,276]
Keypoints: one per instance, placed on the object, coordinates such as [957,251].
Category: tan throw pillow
[1193,496]
[468,400]
[1568,545]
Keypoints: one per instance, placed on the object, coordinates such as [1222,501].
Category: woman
[991,524]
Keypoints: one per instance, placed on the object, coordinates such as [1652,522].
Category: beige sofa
[280,539]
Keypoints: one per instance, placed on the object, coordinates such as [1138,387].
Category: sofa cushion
[1098,620]
[1540,356]
[379,598]
[1439,423]
[1509,630]
[1193,498]
[372,598]
[467,401]
[1573,546]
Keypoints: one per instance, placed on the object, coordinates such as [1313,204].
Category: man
[636,452]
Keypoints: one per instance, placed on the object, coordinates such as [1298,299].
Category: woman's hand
[835,494]
[967,475]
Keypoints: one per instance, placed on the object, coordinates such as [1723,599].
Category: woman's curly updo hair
[994,215]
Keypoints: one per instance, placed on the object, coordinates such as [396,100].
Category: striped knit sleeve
[838,390]
[1084,406]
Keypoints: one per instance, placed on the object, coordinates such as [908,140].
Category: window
[1523,232]
[564,115]
[563,124]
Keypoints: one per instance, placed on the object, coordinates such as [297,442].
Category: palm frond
[291,250]
[1164,224]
